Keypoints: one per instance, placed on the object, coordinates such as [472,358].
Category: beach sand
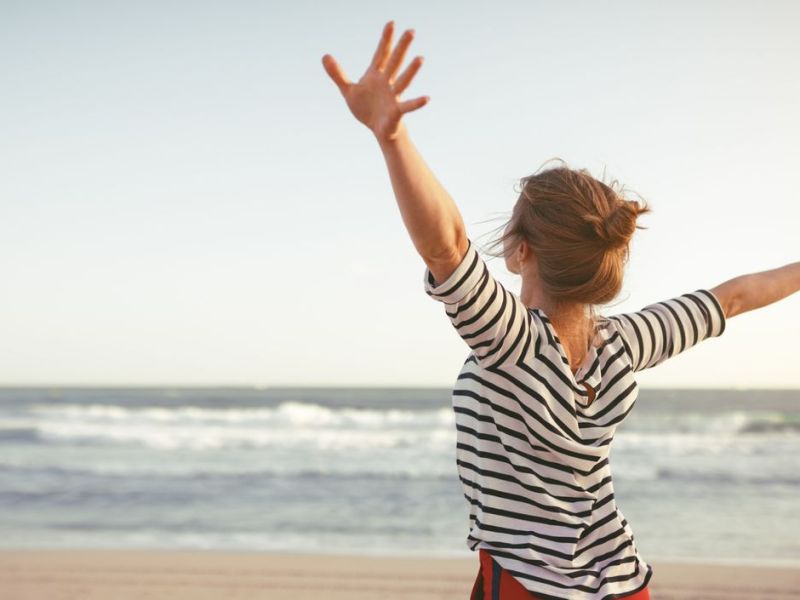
[156,575]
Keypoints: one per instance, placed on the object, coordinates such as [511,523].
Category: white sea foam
[288,425]
[309,426]
[296,414]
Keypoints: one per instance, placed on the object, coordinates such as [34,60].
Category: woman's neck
[574,322]
[570,315]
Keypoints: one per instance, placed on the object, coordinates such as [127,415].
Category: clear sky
[185,198]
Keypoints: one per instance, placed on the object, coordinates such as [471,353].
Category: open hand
[374,100]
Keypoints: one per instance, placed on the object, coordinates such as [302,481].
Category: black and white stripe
[662,330]
[532,452]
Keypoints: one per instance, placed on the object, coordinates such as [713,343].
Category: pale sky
[185,198]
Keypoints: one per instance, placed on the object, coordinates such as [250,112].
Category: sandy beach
[155,575]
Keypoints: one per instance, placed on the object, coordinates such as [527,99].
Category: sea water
[711,475]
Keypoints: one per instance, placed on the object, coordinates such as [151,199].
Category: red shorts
[495,583]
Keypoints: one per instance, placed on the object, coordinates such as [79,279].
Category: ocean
[701,475]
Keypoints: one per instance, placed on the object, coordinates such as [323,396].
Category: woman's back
[532,449]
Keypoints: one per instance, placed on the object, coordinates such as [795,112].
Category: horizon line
[241,386]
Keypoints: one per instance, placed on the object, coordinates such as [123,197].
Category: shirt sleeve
[491,320]
[662,330]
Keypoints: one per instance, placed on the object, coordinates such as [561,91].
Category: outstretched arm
[754,290]
[429,213]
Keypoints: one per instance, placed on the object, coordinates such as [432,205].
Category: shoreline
[28,574]
[781,563]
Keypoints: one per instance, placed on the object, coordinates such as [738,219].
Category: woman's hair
[579,229]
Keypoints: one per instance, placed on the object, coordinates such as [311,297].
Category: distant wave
[771,426]
[311,427]
[234,475]
[290,424]
[732,422]
[286,413]
[723,477]
[299,414]
[101,475]
[19,434]
[667,468]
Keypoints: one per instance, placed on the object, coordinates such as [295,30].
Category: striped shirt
[532,449]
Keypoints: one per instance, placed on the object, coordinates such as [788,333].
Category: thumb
[335,72]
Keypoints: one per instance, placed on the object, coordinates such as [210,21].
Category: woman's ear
[523,254]
[521,251]
[516,258]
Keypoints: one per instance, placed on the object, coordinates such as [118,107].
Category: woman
[548,379]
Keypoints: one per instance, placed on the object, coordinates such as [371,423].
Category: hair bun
[620,225]
[616,229]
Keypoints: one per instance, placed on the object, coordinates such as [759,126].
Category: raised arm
[754,290]
[429,213]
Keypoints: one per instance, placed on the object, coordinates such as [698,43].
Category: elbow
[448,247]
[730,297]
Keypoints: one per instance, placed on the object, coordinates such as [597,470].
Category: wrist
[387,141]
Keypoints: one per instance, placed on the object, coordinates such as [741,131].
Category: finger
[402,82]
[399,53]
[335,71]
[382,51]
[414,104]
